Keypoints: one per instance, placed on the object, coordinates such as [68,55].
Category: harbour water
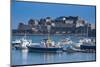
[23,57]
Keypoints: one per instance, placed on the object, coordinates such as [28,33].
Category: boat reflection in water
[24,56]
[50,57]
[27,57]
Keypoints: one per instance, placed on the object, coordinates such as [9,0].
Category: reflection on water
[21,57]
[24,56]
[50,57]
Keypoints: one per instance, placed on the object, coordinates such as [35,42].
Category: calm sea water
[23,57]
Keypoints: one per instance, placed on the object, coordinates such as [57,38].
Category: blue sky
[23,11]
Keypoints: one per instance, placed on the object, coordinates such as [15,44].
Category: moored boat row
[66,45]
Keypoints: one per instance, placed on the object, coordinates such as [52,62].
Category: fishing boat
[86,43]
[16,42]
[21,43]
[66,41]
[46,45]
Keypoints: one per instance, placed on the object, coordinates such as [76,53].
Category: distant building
[80,22]
[60,25]
[23,26]
[65,24]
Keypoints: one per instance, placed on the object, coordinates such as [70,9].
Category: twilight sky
[23,11]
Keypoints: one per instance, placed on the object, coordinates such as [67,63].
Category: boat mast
[87,29]
[25,36]
[49,33]
[49,28]
[49,39]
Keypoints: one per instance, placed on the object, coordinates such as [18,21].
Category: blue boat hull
[15,44]
[88,48]
[42,49]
